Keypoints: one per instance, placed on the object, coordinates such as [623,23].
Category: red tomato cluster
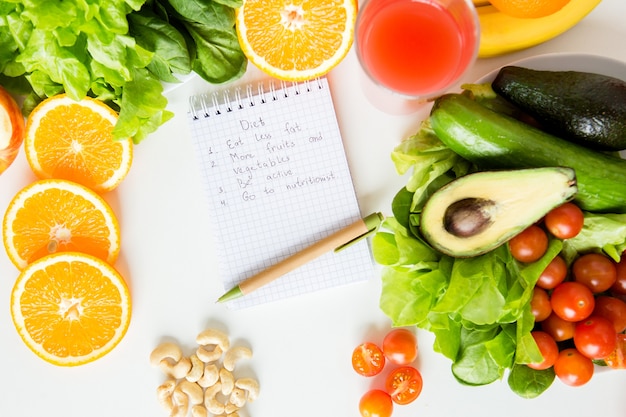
[402,385]
[580,311]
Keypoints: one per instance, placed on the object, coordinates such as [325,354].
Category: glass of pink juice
[416,49]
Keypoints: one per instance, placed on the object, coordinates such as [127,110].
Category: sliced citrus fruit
[70,308]
[296,40]
[50,216]
[529,9]
[73,140]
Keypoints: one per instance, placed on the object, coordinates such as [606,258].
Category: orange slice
[529,9]
[70,308]
[50,216]
[73,140]
[296,40]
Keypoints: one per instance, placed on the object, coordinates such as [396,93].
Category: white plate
[569,62]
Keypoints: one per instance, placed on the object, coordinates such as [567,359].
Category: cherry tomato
[554,274]
[573,368]
[376,403]
[558,328]
[548,348]
[540,304]
[565,221]
[619,286]
[404,384]
[613,309]
[596,271]
[529,245]
[572,301]
[617,358]
[400,346]
[368,359]
[595,337]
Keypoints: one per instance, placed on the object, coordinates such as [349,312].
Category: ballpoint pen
[336,241]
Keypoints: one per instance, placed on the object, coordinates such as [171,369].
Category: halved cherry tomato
[617,359]
[573,368]
[530,245]
[368,359]
[400,346]
[554,274]
[548,348]
[565,221]
[572,301]
[596,271]
[613,309]
[376,403]
[404,384]
[595,337]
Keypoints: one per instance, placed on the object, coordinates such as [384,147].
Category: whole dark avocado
[582,107]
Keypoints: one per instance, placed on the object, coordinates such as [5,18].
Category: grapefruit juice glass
[416,48]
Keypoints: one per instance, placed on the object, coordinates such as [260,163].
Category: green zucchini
[496,141]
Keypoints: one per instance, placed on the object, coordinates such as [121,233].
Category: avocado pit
[469,216]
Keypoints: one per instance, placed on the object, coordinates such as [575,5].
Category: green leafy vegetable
[118,51]
[477,308]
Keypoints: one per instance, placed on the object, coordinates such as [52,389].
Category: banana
[500,34]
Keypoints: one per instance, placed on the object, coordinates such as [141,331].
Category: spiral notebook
[274,169]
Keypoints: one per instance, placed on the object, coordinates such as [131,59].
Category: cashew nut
[192,390]
[164,394]
[251,385]
[181,404]
[230,408]
[213,337]
[235,354]
[177,370]
[227,380]
[166,351]
[211,402]
[238,397]
[199,411]
[209,356]
[209,377]
[197,369]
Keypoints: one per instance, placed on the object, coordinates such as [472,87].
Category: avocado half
[478,212]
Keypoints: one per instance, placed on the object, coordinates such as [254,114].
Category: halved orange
[70,308]
[50,216]
[296,40]
[73,140]
[529,9]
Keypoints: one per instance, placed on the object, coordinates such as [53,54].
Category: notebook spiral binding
[229,100]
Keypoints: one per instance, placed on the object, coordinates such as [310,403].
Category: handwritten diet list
[276,176]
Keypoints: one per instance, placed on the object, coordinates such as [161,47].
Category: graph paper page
[275,173]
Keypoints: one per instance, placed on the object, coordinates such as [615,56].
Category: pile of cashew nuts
[204,382]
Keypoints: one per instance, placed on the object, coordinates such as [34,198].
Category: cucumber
[496,141]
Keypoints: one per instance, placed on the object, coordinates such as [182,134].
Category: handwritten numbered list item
[275,172]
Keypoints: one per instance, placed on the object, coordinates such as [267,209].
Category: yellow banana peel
[500,34]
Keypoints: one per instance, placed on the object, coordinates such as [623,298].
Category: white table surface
[302,346]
